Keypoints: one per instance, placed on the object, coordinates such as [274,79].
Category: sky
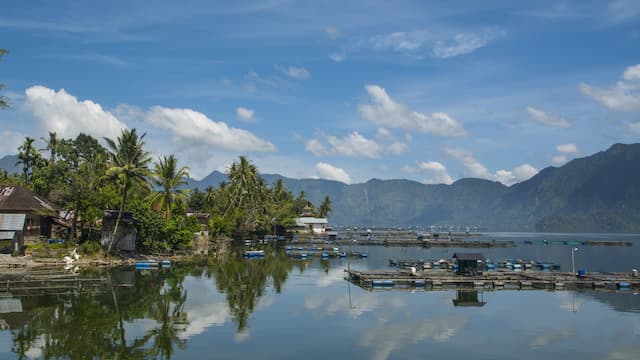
[344,90]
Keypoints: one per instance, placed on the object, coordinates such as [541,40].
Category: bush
[89,248]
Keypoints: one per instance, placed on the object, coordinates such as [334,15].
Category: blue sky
[345,90]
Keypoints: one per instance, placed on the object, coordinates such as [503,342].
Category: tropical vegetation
[86,178]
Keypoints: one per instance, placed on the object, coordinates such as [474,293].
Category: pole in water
[573,260]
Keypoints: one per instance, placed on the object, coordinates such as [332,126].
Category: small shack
[39,220]
[11,233]
[469,264]
[468,298]
[127,232]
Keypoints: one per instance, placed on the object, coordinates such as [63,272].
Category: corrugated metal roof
[7,235]
[468,256]
[302,221]
[12,222]
[10,305]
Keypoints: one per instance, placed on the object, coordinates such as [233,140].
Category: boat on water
[253,253]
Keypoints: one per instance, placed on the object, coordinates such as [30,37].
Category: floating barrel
[382,282]
[342,254]
[166,263]
[419,283]
[364,255]
[624,285]
[325,255]
[491,266]
[303,256]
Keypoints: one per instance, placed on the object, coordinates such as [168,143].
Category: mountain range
[597,193]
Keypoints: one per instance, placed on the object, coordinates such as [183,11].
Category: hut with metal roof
[469,264]
[27,217]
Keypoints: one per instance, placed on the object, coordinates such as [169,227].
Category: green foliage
[4,102]
[90,248]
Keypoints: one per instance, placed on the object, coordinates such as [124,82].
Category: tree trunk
[115,230]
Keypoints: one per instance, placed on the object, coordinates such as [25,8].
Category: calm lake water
[280,308]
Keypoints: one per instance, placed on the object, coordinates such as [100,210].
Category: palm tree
[325,207]
[128,165]
[52,146]
[169,178]
[27,157]
[243,182]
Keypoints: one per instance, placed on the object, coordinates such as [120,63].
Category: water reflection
[468,298]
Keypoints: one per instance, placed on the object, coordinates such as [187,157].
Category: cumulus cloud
[570,148]
[383,110]
[408,169]
[437,173]
[623,96]
[559,159]
[245,114]
[196,128]
[477,170]
[330,172]
[465,43]
[299,73]
[397,148]
[316,147]
[355,145]
[547,118]
[62,113]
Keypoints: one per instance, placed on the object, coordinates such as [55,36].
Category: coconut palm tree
[28,157]
[325,207]
[169,178]
[128,166]
[52,146]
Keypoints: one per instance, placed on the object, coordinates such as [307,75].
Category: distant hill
[597,193]
[8,163]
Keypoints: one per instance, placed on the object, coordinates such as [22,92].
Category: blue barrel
[624,285]
[364,255]
[303,256]
[166,263]
[581,272]
[325,255]
[419,283]
[342,254]
[382,282]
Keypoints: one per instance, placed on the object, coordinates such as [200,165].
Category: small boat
[253,253]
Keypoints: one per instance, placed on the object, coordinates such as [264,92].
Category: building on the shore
[469,264]
[40,220]
[127,232]
[308,223]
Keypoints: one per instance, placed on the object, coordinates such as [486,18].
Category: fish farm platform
[502,280]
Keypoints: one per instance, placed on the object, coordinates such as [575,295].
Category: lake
[281,308]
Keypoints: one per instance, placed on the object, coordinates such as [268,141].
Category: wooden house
[127,234]
[469,264]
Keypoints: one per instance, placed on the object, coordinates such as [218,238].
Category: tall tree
[28,157]
[52,146]
[128,166]
[4,102]
[325,207]
[167,176]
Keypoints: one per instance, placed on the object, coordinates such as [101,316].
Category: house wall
[127,235]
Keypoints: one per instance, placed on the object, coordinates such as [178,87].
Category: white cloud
[352,145]
[437,171]
[559,159]
[465,43]
[333,32]
[623,96]
[635,127]
[315,147]
[196,128]
[570,148]
[520,173]
[397,148]
[355,145]
[547,118]
[330,172]
[299,73]
[383,133]
[337,56]
[62,113]
[477,170]
[386,112]
[474,168]
[245,114]
[400,41]
[632,73]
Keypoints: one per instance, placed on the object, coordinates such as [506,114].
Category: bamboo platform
[502,280]
[48,281]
